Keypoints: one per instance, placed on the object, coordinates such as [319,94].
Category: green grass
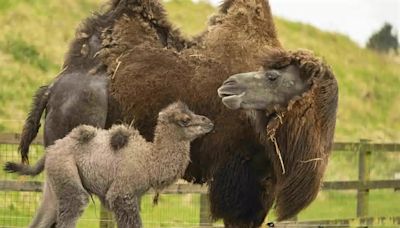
[335,204]
[25,53]
[17,208]
[183,210]
[368,82]
[191,17]
[34,35]
[31,52]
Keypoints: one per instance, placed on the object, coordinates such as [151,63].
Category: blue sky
[355,18]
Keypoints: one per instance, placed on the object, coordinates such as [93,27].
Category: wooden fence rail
[13,138]
[36,186]
[363,185]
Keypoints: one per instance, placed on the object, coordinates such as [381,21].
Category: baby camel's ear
[163,117]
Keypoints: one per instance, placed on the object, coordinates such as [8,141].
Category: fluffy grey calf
[117,165]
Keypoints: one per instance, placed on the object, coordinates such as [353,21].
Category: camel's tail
[25,169]
[32,123]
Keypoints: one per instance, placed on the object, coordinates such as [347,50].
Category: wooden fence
[363,185]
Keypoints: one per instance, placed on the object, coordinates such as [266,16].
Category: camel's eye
[184,122]
[272,75]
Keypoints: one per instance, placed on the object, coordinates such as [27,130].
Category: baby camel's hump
[88,154]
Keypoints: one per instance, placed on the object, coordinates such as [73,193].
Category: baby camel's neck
[170,155]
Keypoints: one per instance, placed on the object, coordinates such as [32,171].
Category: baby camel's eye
[184,122]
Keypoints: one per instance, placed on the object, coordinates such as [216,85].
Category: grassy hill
[34,35]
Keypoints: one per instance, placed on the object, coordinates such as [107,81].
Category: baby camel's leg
[126,210]
[46,214]
[125,207]
[71,196]
[71,206]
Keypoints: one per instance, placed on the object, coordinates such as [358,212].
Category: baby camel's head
[186,124]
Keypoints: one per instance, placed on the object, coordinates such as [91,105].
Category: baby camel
[117,165]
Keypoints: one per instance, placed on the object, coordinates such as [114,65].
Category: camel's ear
[181,105]
[162,117]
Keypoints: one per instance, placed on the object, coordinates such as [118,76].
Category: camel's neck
[170,155]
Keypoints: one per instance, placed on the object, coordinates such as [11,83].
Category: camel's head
[280,80]
[187,124]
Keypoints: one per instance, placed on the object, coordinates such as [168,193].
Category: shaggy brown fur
[304,134]
[146,19]
[150,65]
[146,78]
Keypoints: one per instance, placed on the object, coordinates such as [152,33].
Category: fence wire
[18,208]
[184,210]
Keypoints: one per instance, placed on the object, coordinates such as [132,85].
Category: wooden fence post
[364,159]
[205,217]
[106,218]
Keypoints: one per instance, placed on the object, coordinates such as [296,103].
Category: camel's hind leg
[72,198]
[71,207]
[46,214]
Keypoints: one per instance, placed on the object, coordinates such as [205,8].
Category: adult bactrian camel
[292,103]
[129,62]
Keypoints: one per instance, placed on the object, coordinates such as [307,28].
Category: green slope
[369,83]
[34,36]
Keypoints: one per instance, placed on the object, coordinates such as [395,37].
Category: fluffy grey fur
[89,161]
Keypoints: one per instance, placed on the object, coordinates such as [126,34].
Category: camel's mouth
[232,101]
[205,127]
[229,88]
[232,94]
[239,93]
[208,128]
